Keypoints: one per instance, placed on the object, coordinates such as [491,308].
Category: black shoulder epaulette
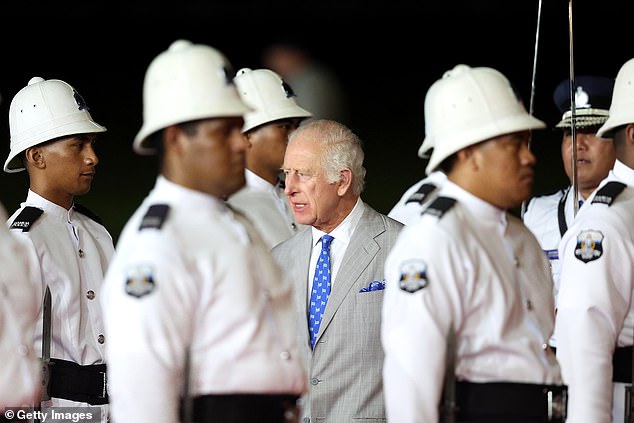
[86,212]
[608,193]
[439,206]
[420,195]
[155,217]
[26,218]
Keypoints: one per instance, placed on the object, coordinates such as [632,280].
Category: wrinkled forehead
[303,153]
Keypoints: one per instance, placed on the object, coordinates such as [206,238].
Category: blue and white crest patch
[589,245]
[413,276]
[139,281]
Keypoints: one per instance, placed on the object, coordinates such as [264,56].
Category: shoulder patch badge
[26,218]
[155,217]
[589,245]
[608,193]
[440,206]
[413,276]
[139,281]
[421,194]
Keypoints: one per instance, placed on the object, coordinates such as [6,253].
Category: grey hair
[342,148]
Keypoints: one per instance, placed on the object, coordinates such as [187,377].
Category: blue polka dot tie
[321,289]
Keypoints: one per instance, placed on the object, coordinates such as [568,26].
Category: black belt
[79,383]
[510,402]
[621,364]
[245,408]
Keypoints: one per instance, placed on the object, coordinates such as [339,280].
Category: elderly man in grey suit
[337,263]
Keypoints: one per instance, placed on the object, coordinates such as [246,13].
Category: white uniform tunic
[542,217]
[73,252]
[594,309]
[203,280]
[480,270]
[20,370]
[409,207]
[267,207]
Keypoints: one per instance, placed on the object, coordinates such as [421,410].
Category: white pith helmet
[622,105]
[42,111]
[469,105]
[186,82]
[269,95]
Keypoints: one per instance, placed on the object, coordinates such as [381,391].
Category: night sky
[387,55]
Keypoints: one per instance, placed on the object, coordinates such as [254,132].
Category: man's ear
[34,156]
[171,137]
[345,181]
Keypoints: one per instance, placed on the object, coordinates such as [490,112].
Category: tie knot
[326,240]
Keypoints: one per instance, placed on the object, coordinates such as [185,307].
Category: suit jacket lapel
[299,266]
[360,252]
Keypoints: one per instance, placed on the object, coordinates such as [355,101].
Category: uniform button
[516,261]
[90,294]
[306,420]
[314,381]
[101,339]
[544,346]
[293,226]
[529,305]
[285,355]
[81,253]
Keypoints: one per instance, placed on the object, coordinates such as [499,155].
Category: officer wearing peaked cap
[549,216]
[199,315]
[595,318]
[468,300]
[53,136]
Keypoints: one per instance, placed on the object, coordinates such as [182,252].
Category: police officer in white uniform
[199,315]
[410,206]
[595,320]
[468,287]
[548,216]
[53,136]
[19,304]
[274,116]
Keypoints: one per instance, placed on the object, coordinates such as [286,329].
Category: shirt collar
[623,173]
[344,231]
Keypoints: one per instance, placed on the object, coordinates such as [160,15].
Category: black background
[387,53]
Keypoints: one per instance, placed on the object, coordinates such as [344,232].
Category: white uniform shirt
[20,370]
[73,252]
[408,208]
[594,309]
[542,217]
[480,270]
[203,281]
[267,207]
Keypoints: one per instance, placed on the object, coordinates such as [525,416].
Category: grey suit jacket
[345,369]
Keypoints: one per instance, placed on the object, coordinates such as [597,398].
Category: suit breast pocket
[370,297]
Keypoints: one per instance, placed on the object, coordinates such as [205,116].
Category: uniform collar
[49,207]
[177,194]
[485,212]
[623,173]
[256,182]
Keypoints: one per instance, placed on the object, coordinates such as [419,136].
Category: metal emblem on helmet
[139,281]
[582,98]
[413,276]
[589,245]
[288,90]
[80,101]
